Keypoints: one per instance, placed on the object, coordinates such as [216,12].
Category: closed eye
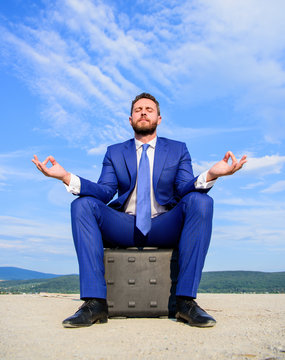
[148,109]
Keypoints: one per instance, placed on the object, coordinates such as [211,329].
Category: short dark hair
[145,96]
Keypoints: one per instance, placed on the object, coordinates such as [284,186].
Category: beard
[147,129]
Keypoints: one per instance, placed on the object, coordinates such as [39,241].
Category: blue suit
[187,224]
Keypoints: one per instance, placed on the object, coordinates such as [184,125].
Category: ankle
[99,300]
[182,297]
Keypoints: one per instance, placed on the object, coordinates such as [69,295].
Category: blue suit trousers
[96,226]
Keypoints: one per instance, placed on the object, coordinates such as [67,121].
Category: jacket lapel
[130,157]
[160,156]
[161,151]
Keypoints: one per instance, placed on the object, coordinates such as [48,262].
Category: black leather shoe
[190,312]
[92,311]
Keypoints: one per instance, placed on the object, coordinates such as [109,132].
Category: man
[160,203]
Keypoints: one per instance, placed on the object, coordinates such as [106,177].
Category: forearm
[102,191]
[66,178]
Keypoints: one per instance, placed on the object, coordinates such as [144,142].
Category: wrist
[66,178]
[210,177]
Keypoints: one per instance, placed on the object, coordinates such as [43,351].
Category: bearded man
[160,203]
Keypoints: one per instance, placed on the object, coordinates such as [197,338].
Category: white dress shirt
[130,206]
[131,203]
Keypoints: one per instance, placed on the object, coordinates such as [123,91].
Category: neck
[145,138]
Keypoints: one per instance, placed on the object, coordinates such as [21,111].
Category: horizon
[69,70]
[15,267]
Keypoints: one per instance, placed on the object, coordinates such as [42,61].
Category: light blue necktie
[143,216]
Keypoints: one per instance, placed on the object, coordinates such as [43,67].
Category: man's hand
[55,171]
[223,168]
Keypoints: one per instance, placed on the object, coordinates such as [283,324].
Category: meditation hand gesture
[223,168]
[55,171]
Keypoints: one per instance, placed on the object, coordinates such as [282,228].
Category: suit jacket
[172,174]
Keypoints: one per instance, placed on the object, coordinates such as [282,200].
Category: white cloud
[202,166]
[262,166]
[268,164]
[188,133]
[86,64]
[252,185]
[99,150]
[279,186]
[15,173]
[246,202]
[14,154]
[27,227]
[32,237]
[261,225]
[3,186]
[234,201]
[17,166]
[228,48]
[262,236]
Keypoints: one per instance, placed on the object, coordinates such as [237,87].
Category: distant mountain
[212,282]
[14,273]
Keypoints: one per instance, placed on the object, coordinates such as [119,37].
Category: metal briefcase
[141,283]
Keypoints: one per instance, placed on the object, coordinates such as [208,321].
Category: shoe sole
[210,323]
[99,321]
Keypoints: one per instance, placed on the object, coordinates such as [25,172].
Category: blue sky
[68,72]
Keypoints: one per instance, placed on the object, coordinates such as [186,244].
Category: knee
[83,205]
[201,203]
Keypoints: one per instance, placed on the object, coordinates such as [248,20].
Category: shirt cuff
[202,183]
[74,185]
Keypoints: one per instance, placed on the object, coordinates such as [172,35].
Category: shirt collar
[151,143]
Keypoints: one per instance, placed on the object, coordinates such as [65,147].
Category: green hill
[242,281]
[68,284]
[212,282]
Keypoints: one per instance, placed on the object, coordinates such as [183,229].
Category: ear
[158,120]
[130,120]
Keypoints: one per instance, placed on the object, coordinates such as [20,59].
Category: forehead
[145,103]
